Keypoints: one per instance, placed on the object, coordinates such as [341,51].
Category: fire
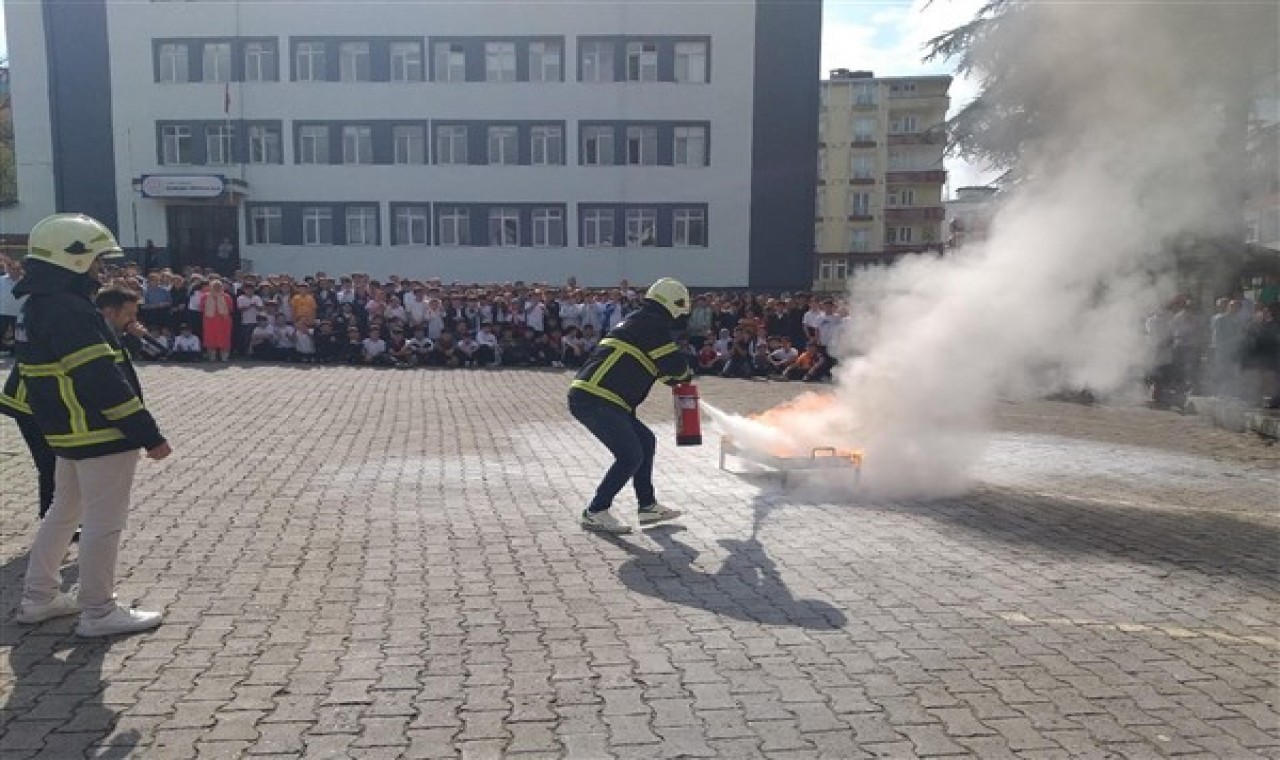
[807,412]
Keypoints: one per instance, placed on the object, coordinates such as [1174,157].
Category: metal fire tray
[827,458]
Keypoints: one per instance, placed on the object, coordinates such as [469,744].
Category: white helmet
[671,294]
[72,241]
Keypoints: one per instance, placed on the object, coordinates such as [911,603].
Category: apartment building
[880,171]
[535,141]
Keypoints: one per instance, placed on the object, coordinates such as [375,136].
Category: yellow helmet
[671,294]
[72,241]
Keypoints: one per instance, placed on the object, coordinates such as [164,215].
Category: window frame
[452,131]
[703,54]
[460,218]
[507,139]
[363,144]
[595,221]
[401,65]
[260,144]
[599,133]
[643,137]
[503,216]
[225,136]
[168,63]
[409,214]
[177,138]
[352,53]
[443,62]
[597,58]
[693,215]
[546,222]
[540,53]
[313,51]
[644,56]
[273,221]
[503,52]
[550,139]
[643,217]
[322,217]
[366,217]
[263,55]
[408,131]
[689,130]
[221,77]
[317,136]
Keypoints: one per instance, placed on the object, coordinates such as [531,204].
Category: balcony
[863,142]
[915,214]
[918,138]
[904,248]
[926,177]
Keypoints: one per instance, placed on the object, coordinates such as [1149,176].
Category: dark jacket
[631,358]
[72,375]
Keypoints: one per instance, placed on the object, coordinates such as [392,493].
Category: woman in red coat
[215,310]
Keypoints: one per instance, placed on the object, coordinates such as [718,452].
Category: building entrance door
[204,236]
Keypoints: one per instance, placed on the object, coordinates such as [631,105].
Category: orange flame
[803,412]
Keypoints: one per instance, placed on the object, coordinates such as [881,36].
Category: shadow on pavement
[747,586]
[1215,543]
[58,684]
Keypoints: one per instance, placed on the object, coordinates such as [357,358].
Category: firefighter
[614,380]
[81,391]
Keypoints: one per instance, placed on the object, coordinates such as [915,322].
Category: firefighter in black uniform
[615,379]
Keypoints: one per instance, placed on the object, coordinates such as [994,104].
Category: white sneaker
[63,604]
[605,522]
[656,513]
[120,620]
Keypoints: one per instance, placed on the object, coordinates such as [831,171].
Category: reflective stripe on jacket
[635,354]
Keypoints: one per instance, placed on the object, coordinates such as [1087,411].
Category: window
[546,146]
[219,142]
[689,228]
[597,228]
[902,90]
[817,235]
[642,62]
[173,63]
[313,144]
[864,95]
[357,144]
[406,62]
[864,130]
[691,146]
[859,239]
[265,225]
[833,269]
[597,146]
[900,198]
[309,62]
[217,62]
[897,235]
[410,226]
[691,62]
[864,167]
[642,146]
[264,144]
[410,144]
[548,228]
[822,161]
[455,226]
[500,61]
[317,225]
[642,227]
[597,62]
[544,62]
[904,125]
[353,62]
[451,62]
[504,227]
[362,225]
[821,203]
[860,204]
[451,145]
[503,146]
[260,62]
[175,145]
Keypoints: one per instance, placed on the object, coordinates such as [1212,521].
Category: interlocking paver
[388,565]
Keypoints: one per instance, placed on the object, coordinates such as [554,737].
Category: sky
[884,36]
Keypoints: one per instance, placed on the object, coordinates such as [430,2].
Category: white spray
[1143,102]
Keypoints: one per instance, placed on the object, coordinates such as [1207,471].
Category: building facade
[596,140]
[969,215]
[880,171]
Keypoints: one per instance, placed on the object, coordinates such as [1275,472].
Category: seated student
[262,340]
[444,353]
[589,339]
[822,366]
[781,357]
[738,362]
[811,366]
[708,359]
[399,350]
[186,346]
[328,344]
[486,352]
[420,345]
[555,349]
[305,341]
[375,350]
[514,348]
[572,354]
[353,349]
[467,346]
[285,340]
[760,366]
[540,353]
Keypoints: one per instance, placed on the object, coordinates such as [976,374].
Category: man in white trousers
[82,392]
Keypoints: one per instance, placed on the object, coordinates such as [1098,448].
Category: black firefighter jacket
[72,376]
[634,355]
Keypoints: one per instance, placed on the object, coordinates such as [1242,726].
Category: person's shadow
[747,586]
[57,683]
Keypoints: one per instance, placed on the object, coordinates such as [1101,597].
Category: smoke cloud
[1143,109]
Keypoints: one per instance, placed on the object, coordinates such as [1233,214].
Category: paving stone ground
[382,564]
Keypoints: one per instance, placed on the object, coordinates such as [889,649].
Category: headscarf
[216,303]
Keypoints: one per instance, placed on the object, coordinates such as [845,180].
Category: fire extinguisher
[688,417]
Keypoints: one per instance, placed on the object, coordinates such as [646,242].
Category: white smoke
[1142,110]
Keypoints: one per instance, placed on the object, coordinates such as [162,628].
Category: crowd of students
[198,316]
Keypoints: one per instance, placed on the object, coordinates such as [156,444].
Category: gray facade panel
[78,52]
[784,175]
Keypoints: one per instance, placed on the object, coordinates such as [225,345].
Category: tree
[8,168]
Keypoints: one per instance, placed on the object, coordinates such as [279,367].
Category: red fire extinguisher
[688,418]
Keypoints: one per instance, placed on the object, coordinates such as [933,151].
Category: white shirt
[8,304]
[828,328]
[785,354]
[248,307]
[305,340]
[570,314]
[534,315]
[487,339]
[195,300]
[186,343]
[374,347]
[285,337]
[467,346]
[416,308]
